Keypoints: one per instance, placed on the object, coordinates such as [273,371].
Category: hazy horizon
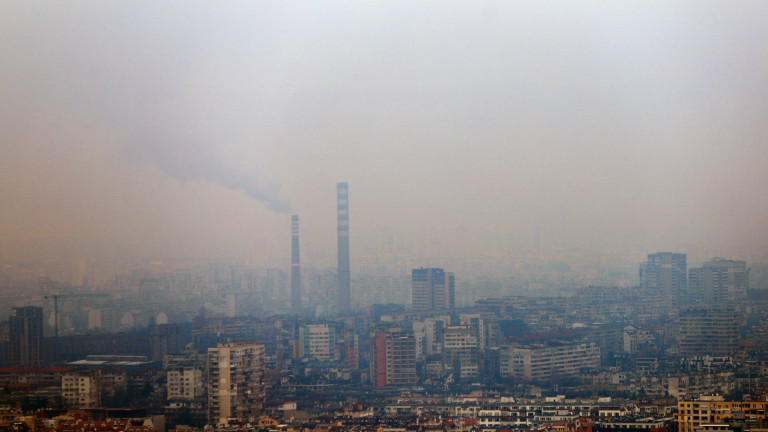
[464,129]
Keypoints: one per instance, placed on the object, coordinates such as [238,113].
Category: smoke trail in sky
[195,154]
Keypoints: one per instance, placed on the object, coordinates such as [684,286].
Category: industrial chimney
[295,266]
[342,206]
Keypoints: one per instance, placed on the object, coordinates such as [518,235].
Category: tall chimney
[295,266]
[342,207]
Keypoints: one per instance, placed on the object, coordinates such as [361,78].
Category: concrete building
[26,337]
[393,358]
[713,332]
[185,383]
[235,382]
[543,362]
[352,349]
[81,389]
[718,281]
[705,287]
[693,415]
[318,342]
[478,327]
[429,336]
[432,289]
[460,351]
[735,277]
[665,275]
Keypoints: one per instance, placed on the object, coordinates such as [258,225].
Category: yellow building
[713,410]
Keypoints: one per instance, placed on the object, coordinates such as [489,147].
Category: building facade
[318,342]
[235,382]
[26,336]
[718,281]
[712,332]
[543,362]
[393,358]
[81,389]
[460,351]
[692,415]
[432,289]
[185,383]
[665,276]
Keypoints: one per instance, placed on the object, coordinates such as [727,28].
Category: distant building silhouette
[432,289]
[713,332]
[665,276]
[26,336]
[342,207]
[295,266]
[718,281]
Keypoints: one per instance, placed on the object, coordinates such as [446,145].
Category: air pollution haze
[464,129]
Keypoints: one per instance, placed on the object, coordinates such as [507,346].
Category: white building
[81,389]
[429,336]
[460,351]
[185,383]
[541,362]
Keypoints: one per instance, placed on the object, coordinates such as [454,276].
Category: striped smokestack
[295,266]
[342,206]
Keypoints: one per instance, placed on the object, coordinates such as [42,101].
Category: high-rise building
[432,289]
[235,382]
[393,358]
[26,336]
[351,345]
[295,266]
[665,276]
[713,332]
[705,286]
[342,207]
[718,281]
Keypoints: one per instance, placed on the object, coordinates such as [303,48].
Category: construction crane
[56,298]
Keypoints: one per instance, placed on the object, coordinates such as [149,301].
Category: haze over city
[383,216]
[194,129]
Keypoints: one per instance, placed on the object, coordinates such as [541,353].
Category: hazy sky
[164,129]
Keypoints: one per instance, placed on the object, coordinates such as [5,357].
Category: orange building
[711,410]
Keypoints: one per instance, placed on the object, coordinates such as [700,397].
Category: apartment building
[693,415]
[81,389]
[185,383]
[546,361]
[393,358]
[236,382]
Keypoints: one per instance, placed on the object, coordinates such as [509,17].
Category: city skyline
[557,218]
